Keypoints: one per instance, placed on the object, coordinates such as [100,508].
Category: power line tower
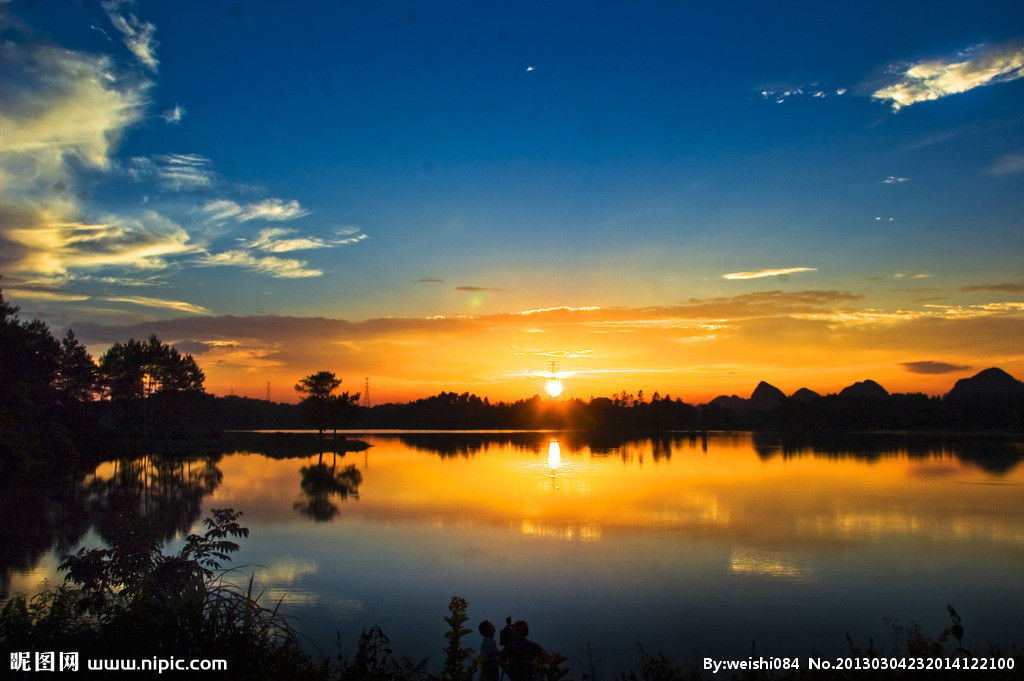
[366,392]
[268,391]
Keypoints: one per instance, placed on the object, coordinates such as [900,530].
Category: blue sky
[862,163]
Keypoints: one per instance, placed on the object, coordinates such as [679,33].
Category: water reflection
[554,455]
[615,528]
[145,497]
[153,498]
[993,453]
[321,484]
[779,564]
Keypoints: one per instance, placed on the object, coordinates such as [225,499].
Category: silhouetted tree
[29,403]
[77,375]
[134,370]
[322,407]
[156,389]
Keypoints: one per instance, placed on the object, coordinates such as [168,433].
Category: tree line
[56,400]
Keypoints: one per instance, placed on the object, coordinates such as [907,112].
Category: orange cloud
[694,350]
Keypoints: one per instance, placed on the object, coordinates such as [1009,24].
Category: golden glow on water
[542,523]
[575,493]
[554,455]
[767,563]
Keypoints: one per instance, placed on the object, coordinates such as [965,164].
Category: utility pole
[366,392]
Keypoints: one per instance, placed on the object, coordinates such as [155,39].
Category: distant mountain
[862,389]
[765,397]
[989,383]
[805,395]
[993,399]
[733,402]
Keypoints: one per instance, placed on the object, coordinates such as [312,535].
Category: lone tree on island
[322,407]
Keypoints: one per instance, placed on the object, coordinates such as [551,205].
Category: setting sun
[554,387]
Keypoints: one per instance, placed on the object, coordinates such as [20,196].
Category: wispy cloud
[176,305]
[768,273]
[473,289]
[780,93]
[279,268]
[64,296]
[60,106]
[49,246]
[937,78]
[174,115]
[563,308]
[892,179]
[277,240]
[269,209]
[62,115]
[174,172]
[1012,287]
[930,367]
[49,295]
[912,275]
[1010,164]
[138,35]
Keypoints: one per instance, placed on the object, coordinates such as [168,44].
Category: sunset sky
[669,196]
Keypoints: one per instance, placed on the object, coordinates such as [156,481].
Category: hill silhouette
[866,389]
[991,399]
[988,383]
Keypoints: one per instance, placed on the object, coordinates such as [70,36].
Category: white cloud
[342,241]
[185,171]
[768,273]
[54,247]
[280,268]
[780,93]
[60,105]
[174,172]
[277,240]
[138,35]
[222,209]
[270,209]
[936,78]
[892,179]
[63,111]
[178,305]
[174,115]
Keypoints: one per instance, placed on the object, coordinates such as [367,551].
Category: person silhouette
[489,656]
[521,656]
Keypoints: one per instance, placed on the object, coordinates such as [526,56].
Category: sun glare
[554,387]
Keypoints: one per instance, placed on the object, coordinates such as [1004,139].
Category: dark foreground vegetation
[132,602]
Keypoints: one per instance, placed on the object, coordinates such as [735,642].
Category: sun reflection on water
[554,455]
[780,564]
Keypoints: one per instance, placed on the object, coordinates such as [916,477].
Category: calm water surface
[694,546]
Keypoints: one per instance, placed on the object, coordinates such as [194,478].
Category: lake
[693,545]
